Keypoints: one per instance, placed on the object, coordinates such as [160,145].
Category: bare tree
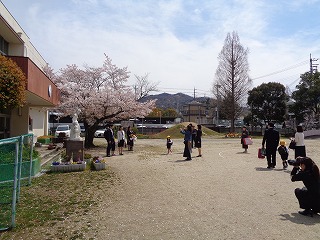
[232,76]
[143,86]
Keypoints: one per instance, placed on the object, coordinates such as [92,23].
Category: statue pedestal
[76,149]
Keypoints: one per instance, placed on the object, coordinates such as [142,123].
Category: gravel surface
[225,194]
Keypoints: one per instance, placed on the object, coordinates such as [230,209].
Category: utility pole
[194,93]
[313,66]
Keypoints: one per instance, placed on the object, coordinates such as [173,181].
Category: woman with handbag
[245,134]
[300,148]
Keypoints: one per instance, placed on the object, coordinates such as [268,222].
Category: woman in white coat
[300,149]
[121,137]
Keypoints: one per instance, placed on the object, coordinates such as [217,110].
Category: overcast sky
[177,42]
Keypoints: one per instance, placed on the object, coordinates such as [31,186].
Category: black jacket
[308,179]
[108,135]
[271,138]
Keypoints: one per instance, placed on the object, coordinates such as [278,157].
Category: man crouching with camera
[305,170]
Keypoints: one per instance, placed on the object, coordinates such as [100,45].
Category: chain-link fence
[18,163]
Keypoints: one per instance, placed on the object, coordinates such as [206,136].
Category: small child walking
[284,153]
[169,144]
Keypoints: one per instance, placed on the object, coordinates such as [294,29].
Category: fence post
[31,155]
[15,185]
[19,166]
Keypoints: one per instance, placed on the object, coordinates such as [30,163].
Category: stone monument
[75,145]
[75,129]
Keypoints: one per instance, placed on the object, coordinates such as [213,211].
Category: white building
[41,93]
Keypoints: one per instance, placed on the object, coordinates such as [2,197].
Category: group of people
[191,135]
[123,138]
[272,139]
[304,168]
[192,138]
[271,144]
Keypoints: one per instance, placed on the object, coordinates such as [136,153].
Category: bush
[12,84]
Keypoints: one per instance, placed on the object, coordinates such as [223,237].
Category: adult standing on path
[130,134]
[109,136]
[193,136]
[121,136]
[198,140]
[187,141]
[271,138]
[300,148]
[245,134]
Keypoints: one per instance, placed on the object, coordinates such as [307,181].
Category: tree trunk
[88,143]
[233,63]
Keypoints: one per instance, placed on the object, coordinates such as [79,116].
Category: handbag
[261,153]
[247,141]
[292,144]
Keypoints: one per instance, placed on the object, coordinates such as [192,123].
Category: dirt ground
[225,194]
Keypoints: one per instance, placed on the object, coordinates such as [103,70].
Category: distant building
[195,112]
[41,93]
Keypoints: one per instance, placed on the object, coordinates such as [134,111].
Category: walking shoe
[306,212]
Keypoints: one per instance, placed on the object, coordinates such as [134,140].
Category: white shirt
[299,138]
[121,135]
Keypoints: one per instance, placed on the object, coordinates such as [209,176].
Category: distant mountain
[175,101]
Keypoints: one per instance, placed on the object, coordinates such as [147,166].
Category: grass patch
[53,198]
[174,132]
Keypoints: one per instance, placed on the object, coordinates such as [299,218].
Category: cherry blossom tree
[98,95]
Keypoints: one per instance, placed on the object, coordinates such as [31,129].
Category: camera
[294,163]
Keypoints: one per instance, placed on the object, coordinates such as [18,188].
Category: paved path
[225,194]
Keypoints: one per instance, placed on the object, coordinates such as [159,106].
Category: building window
[30,124]
[4,126]
[4,46]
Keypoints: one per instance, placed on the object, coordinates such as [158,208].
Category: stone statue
[75,128]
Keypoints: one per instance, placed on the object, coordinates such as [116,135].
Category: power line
[293,82]
[190,91]
[283,70]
